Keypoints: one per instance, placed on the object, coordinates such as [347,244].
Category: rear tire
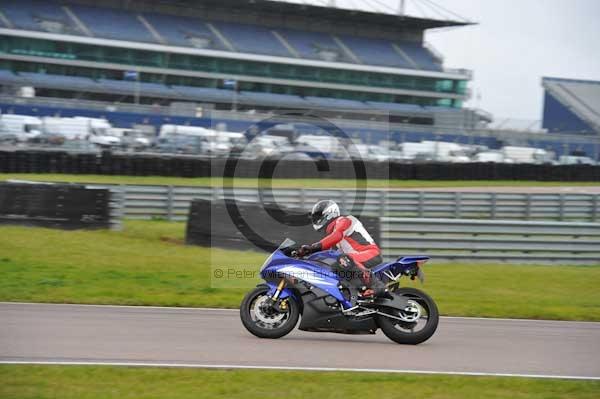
[267,325]
[399,331]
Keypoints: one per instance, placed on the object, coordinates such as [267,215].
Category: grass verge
[147,264]
[95,382]
[282,183]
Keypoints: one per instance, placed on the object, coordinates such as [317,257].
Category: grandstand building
[571,106]
[265,54]
[206,62]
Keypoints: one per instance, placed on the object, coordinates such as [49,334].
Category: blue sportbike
[312,287]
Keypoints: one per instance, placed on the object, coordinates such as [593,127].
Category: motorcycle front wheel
[261,320]
[414,324]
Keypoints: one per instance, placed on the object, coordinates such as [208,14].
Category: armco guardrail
[172,202]
[435,227]
[461,239]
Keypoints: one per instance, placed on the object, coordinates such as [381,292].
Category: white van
[320,146]
[95,130]
[575,160]
[22,127]
[197,131]
[526,154]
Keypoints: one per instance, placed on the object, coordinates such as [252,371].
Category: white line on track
[237,310]
[291,368]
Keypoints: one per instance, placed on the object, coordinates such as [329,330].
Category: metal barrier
[172,202]
[426,231]
[463,239]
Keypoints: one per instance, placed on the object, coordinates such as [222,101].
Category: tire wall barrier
[54,205]
[257,227]
[189,166]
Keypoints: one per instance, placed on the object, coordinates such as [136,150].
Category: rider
[347,233]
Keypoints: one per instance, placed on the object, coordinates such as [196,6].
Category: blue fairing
[317,276]
[324,256]
[403,261]
[400,265]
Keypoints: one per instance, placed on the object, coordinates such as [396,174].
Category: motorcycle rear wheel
[263,323]
[403,332]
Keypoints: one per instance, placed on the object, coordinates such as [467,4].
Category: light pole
[235,90]
[402,8]
[137,87]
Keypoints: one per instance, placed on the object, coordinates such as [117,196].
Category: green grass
[147,264]
[101,382]
[281,183]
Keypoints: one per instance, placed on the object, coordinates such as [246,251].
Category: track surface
[205,337]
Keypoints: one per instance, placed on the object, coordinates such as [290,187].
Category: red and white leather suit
[351,238]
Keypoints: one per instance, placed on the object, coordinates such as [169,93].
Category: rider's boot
[377,289]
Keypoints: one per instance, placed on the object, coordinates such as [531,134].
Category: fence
[172,202]
[426,230]
[194,166]
[529,241]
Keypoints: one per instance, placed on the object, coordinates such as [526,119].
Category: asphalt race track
[216,338]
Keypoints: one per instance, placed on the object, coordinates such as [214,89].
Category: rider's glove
[309,249]
[304,250]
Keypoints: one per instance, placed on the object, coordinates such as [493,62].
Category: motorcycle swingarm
[398,302]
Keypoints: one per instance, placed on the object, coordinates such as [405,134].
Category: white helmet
[323,212]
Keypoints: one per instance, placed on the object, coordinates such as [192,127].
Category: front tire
[403,332]
[263,323]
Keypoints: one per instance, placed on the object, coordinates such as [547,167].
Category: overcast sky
[515,43]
